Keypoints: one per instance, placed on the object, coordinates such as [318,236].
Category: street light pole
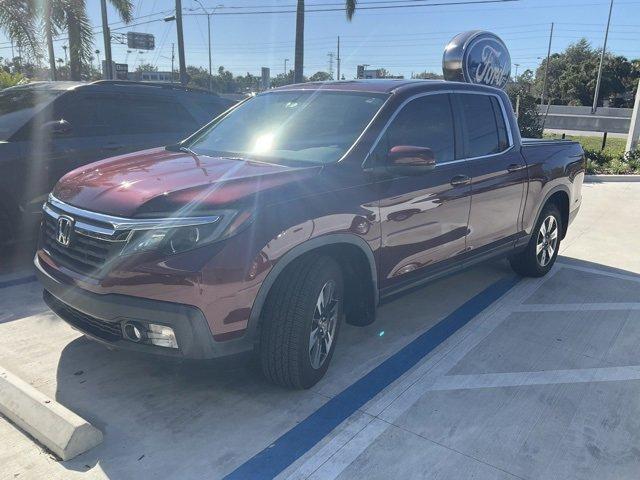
[209,15]
[604,49]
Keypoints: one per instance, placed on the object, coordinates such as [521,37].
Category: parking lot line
[300,439]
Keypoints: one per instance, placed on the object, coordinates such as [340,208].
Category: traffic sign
[141,41]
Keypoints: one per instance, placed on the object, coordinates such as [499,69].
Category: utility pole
[604,49]
[330,55]
[285,66]
[106,34]
[173,57]
[298,60]
[546,68]
[515,78]
[181,59]
[338,60]
[66,60]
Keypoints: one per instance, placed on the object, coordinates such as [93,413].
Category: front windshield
[297,126]
[19,105]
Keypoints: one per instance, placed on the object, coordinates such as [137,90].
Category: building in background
[363,72]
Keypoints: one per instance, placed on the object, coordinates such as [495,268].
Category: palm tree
[350,8]
[72,14]
[17,20]
[23,20]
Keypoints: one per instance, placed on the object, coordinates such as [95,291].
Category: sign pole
[634,129]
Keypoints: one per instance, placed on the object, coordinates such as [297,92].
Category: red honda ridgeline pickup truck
[299,208]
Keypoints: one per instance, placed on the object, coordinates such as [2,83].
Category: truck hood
[158,181]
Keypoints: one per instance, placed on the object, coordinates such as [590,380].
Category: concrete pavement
[542,384]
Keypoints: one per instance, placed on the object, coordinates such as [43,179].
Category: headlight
[169,239]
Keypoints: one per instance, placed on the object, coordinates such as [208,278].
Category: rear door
[423,217]
[498,171]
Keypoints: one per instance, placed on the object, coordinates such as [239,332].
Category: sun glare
[263,143]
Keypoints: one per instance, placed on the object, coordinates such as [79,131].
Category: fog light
[133,332]
[161,335]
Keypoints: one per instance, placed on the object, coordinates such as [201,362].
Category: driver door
[424,217]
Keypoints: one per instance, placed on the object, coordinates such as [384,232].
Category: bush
[10,79]
[605,163]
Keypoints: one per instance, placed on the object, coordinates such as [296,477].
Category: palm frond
[18,21]
[124,9]
[350,8]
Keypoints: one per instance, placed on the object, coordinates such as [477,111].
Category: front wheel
[301,321]
[541,252]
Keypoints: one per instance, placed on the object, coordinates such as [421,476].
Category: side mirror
[57,127]
[411,160]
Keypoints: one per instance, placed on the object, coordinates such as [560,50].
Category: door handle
[459,180]
[514,167]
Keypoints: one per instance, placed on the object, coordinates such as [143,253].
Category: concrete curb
[611,178]
[53,425]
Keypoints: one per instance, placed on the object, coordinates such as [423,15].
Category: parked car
[50,128]
[299,207]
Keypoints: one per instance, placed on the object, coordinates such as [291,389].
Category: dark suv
[300,207]
[50,128]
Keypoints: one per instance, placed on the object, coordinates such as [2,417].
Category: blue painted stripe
[18,281]
[300,439]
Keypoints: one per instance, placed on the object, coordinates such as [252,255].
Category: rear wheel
[541,252]
[301,321]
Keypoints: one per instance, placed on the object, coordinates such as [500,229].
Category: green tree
[146,67]
[26,20]
[427,76]
[350,8]
[572,75]
[320,77]
[529,118]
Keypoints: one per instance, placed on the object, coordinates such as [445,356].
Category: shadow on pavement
[190,420]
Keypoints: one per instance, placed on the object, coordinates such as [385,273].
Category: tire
[532,262]
[290,315]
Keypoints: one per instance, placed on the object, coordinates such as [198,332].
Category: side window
[87,116]
[503,137]
[482,131]
[425,122]
[98,115]
[158,115]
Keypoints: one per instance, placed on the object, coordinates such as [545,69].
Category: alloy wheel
[323,325]
[547,241]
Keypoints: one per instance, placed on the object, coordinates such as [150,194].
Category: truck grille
[91,325]
[91,247]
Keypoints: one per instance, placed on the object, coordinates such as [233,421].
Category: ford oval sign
[477,57]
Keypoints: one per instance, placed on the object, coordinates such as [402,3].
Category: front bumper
[99,316]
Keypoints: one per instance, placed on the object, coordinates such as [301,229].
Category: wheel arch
[332,244]
[559,195]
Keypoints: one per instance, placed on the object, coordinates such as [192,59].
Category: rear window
[484,127]
[18,106]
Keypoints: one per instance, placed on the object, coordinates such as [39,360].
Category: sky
[408,38]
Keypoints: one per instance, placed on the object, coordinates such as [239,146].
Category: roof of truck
[384,85]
